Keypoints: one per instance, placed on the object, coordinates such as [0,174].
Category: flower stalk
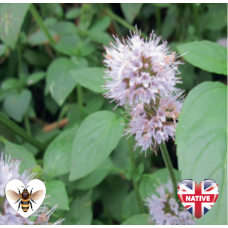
[169,166]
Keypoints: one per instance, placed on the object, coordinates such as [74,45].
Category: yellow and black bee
[25,198]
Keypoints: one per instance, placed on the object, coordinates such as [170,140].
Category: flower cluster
[156,122]
[9,169]
[164,209]
[10,217]
[141,75]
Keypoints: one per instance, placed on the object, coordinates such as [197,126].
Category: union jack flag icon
[198,199]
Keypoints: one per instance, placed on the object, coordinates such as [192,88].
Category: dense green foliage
[52,72]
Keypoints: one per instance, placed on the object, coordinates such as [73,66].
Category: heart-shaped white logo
[25,200]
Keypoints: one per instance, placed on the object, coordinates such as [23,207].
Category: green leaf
[100,37]
[73,13]
[101,24]
[85,48]
[130,206]
[11,18]
[68,44]
[35,77]
[19,152]
[50,21]
[97,136]
[81,62]
[130,10]
[59,80]
[63,28]
[80,211]
[94,178]
[91,78]
[12,83]
[58,154]
[58,194]
[16,104]
[148,182]
[201,139]
[141,219]
[206,55]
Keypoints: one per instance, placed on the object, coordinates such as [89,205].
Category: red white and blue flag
[198,199]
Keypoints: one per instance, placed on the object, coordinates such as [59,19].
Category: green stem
[80,100]
[169,166]
[122,21]
[41,24]
[135,183]
[21,132]
[27,124]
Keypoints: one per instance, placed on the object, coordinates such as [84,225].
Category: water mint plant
[104,112]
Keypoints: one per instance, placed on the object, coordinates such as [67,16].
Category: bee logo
[25,198]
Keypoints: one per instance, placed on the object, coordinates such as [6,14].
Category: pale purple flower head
[138,69]
[155,122]
[164,209]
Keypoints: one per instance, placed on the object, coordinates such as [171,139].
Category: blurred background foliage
[51,72]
